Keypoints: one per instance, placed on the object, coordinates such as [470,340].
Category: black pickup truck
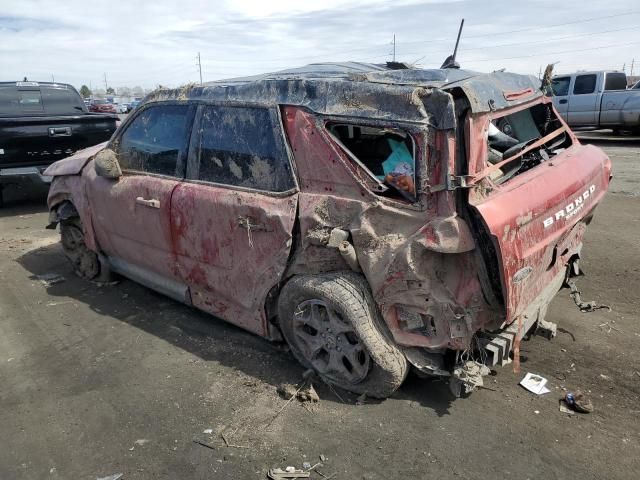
[41,122]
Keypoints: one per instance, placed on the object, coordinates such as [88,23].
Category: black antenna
[450,61]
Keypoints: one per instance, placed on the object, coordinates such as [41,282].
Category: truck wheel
[85,262]
[333,326]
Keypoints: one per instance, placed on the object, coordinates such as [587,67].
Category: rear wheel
[85,262]
[333,326]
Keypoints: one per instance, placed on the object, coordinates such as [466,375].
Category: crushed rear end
[532,192]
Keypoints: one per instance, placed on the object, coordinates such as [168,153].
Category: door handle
[564,100]
[152,202]
[59,131]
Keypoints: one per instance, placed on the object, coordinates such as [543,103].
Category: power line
[601,17]
[555,53]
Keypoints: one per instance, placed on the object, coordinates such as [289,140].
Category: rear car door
[132,215]
[234,215]
[583,103]
[560,87]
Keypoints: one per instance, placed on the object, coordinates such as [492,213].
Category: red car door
[131,215]
[232,219]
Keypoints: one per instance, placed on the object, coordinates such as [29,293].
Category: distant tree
[110,91]
[84,91]
[124,91]
[137,91]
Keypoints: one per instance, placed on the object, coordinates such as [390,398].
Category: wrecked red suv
[374,218]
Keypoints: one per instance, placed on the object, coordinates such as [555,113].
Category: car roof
[29,83]
[366,90]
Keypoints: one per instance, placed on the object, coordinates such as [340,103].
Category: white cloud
[148,43]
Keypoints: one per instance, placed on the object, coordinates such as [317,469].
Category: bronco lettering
[571,209]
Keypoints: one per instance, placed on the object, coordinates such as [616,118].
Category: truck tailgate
[537,221]
[41,140]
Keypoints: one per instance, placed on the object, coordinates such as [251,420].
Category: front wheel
[333,326]
[85,262]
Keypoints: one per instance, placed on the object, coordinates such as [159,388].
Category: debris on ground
[564,408]
[308,394]
[286,473]
[535,383]
[287,391]
[579,402]
[115,476]
[468,376]
[48,279]
[585,307]
[362,399]
[208,431]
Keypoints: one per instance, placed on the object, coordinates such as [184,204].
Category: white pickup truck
[597,99]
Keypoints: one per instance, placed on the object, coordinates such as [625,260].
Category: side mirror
[106,164]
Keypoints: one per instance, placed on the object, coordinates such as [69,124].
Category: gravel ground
[102,380]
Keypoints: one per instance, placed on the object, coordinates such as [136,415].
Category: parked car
[134,104]
[41,122]
[102,106]
[373,218]
[597,99]
[124,108]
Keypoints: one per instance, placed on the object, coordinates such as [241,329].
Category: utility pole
[633,60]
[105,83]
[540,72]
[199,67]
[623,66]
[53,79]
[394,47]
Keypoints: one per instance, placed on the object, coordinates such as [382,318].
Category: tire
[85,262]
[334,327]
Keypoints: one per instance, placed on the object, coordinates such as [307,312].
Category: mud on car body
[374,218]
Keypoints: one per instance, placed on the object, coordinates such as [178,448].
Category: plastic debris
[468,376]
[208,431]
[535,383]
[48,279]
[288,472]
[115,476]
[579,402]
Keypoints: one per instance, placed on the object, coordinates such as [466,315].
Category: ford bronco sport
[375,218]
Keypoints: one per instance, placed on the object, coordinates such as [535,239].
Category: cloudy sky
[155,42]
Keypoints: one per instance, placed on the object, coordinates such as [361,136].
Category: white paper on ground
[535,383]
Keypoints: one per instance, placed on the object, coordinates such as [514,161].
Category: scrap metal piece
[467,376]
[585,307]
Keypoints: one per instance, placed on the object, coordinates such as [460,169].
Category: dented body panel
[463,254]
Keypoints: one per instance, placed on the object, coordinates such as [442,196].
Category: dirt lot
[102,380]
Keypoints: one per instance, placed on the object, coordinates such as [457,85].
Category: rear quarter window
[615,81]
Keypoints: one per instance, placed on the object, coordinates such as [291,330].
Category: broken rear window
[387,154]
[522,140]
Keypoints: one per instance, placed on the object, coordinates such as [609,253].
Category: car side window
[154,140]
[243,147]
[560,86]
[584,84]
